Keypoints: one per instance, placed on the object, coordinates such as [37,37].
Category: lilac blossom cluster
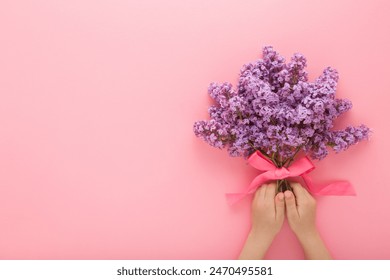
[276,110]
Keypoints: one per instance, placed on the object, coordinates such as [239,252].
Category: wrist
[313,246]
[307,235]
[261,235]
[256,245]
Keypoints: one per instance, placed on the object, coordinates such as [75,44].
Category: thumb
[291,206]
[279,206]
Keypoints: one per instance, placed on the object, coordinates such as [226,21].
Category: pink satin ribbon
[300,167]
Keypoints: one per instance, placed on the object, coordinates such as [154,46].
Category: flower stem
[262,152]
[283,185]
[288,161]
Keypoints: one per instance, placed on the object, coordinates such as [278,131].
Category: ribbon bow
[300,167]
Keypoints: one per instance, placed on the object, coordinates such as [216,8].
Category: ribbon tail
[233,198]
[339,188]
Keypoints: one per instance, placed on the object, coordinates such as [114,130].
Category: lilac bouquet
[276,111]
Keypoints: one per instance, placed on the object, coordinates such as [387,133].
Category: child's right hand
[301,211]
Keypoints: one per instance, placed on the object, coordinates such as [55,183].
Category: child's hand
[267,219]
[301,215]
[301,210]
[267,211]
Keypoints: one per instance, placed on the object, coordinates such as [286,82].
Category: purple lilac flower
[276,110]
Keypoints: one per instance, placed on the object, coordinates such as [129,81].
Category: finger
[270,191]
[260,193]
[260,190]
[297,186]
[291,206]
[304,198]
[300,192]
[279,206]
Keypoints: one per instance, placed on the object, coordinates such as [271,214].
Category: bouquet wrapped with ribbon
[274,116]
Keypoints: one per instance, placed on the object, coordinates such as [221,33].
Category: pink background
[97,155]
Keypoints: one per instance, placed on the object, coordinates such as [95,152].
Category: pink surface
[97,155]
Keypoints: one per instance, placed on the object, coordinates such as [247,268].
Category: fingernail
[288,194]
[280,196]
